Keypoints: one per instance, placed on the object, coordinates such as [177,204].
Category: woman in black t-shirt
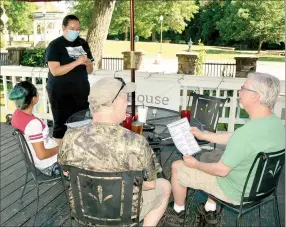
[69,60]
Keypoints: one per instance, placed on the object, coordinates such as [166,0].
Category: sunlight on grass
[115,48]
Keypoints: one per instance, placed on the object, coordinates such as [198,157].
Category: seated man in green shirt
[226,177]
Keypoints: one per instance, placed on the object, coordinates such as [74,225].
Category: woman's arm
[43,153]
[89,66]
[59,70]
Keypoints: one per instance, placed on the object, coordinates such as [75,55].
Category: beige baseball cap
[105,90]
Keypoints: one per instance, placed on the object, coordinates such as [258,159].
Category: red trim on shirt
[21,119]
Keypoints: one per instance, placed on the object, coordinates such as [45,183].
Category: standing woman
[70,61]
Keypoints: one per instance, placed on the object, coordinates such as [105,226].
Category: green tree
[175,14]
[147,13]
[83,10]
[20,16]
[260,20]
[120,19]
[210,14]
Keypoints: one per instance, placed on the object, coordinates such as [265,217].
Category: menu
[183,139]
[78,123]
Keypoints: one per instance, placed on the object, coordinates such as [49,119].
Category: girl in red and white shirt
[44,149]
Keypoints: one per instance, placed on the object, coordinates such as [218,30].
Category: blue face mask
[72,35]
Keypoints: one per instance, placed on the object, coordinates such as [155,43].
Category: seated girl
[44,149]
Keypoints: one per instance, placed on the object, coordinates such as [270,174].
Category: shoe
[209,217]
[172,218]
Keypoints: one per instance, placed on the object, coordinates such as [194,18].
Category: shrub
[34,57]
[2,41]
[201,59]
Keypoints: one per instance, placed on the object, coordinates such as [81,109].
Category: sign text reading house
[157,93]
[151,100]
[153,93]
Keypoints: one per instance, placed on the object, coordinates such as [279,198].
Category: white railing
[220,87]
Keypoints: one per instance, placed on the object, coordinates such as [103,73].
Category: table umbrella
[132,49]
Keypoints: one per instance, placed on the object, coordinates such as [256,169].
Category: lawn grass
[114,48]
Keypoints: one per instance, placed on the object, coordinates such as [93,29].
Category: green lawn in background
[113,48]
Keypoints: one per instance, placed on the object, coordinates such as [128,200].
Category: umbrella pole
[132,54]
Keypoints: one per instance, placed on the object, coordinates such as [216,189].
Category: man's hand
[190,161]
[197,133]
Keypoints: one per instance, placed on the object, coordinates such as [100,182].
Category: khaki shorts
[196,179]
[152,199]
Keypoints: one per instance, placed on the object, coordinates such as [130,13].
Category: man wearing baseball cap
[105,146]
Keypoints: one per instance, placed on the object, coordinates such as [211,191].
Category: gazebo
[47,23]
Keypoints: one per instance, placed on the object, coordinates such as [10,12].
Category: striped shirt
[35,130]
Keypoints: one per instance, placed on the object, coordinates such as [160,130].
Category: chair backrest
[104,198]
[205,109]
[80,116]
[269,167]
[26,152]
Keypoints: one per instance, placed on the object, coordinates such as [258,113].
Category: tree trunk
[10,38]
[28,38]
[98,29]
[259,45]
[126,33]
[153,35]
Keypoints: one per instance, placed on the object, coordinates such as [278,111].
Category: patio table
[160,118]
[156,116]
[159,139]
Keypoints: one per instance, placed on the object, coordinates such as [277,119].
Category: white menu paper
[78,123]
[183,139]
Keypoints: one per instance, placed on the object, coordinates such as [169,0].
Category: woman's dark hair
[68,18]
[23,94]
[65,23]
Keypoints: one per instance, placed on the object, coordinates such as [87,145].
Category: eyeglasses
[247,89]
[122,86]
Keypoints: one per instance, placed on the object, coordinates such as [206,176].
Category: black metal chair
[37,176]
[263,188]
[205,112]
[80,116]
[101,198]
[205,109]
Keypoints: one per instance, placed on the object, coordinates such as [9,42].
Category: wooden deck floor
[53,203]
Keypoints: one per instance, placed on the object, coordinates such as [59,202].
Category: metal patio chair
[37,176]
[263,188]
[104,199]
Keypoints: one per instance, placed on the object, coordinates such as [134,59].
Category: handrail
[216,86]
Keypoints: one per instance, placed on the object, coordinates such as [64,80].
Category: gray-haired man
[225,177]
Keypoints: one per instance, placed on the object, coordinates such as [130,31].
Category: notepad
[78,123]
[183,139]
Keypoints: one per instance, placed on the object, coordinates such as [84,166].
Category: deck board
[53,204]
[11,162]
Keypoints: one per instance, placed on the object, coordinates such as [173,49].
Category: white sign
[158,94]
[164,94]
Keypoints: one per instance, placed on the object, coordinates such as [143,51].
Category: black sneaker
[209,217]
[172,218]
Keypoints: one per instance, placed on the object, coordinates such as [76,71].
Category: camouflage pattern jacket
[106,147]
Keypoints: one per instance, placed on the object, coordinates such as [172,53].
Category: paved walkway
[171,66]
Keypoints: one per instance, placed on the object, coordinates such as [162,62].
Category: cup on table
[127,123]
[187,114]
[137,127]
[142,113]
